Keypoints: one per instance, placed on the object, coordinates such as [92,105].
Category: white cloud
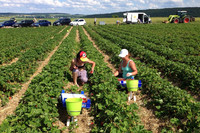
[90,6]
[142,1]
[129,4]
[153,6]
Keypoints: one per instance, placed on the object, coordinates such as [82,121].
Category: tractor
[180,17]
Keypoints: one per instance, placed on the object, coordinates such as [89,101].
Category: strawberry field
[167,58]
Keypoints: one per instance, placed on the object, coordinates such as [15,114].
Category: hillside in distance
[165,12]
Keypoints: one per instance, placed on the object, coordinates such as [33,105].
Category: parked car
[41,23]
[23,23]
[78,22]
[7,23]
[62,21]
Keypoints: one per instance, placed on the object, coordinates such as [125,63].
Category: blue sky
[89,6]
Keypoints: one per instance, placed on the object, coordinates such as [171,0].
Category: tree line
[192,11]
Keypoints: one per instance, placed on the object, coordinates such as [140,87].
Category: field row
[15,42]
[38,108]
[12,76]
[169,102]
[184,74]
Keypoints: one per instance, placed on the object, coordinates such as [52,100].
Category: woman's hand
[129,74]
[91,71]
[75,67]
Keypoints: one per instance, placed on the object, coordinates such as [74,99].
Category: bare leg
[75,76]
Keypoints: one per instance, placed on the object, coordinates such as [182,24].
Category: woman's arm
[72,65]
[93,65]
[133,67]
[119,70]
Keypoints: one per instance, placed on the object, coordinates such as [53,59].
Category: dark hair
[129,55]
[78,55]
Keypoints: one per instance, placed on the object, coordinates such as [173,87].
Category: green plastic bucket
[132,85]
[74,106]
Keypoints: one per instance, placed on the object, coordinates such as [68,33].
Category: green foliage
[37,110]
[109,105]
[29,54]
[194,11]
[169,101]
[115,16]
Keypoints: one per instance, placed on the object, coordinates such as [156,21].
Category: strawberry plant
[169,102]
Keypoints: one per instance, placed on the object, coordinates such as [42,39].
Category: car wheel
[49,25]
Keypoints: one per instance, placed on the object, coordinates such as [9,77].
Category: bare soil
[62,29]
[13,103]
[77,36]
[147,116]
[106,57]
[84,119]
[16,59]
[10,63]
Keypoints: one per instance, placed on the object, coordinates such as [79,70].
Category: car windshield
[76,20]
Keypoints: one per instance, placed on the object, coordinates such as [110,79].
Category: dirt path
[106,57]
[13,61]
[13,103]
[77,36]
[16,59]
[84,119]
[147,116]
[62,30]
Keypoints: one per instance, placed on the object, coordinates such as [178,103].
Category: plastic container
[122,82]
[132,85]
[74,106]
[88,104]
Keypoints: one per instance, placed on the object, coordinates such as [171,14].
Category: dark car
[23,23]
[7,23]
[62,21]
[41,23]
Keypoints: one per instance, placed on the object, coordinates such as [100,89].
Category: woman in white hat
[127,67]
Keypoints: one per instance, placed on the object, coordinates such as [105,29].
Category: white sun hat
[123,53]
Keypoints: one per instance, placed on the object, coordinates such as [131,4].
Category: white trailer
[136,17]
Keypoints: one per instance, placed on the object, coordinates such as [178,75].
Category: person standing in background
[95,21]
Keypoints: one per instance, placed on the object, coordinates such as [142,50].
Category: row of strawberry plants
[22,40]
[13,75]
[38,109]
[178,72]
[109,106]
[168,53]
[180,39]
[168,101]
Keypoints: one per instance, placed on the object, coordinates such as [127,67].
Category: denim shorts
[82,75]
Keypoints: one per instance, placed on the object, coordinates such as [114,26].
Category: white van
[136,17]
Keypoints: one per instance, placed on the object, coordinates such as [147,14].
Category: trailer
[136,17]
